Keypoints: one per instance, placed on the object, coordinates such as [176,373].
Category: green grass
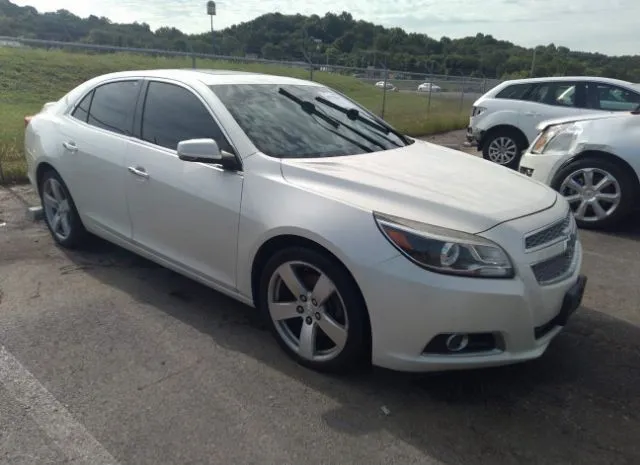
[31,77]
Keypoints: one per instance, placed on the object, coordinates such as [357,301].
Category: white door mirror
[200,150]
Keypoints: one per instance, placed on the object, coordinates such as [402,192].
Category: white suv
[504,121]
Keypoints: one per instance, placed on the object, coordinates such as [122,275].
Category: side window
[113,105]
[563,94]
[612,98]
[540,93]
[82,110]
[172,114]
[514,92]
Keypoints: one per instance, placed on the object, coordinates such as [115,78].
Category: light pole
[211,11]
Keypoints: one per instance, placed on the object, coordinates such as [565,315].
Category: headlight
[445,250]
[557,139]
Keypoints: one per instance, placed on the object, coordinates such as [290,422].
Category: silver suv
[504,121]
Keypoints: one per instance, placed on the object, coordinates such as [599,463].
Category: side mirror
[205,151]
[199,150]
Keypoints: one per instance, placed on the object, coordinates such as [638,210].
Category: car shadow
[579,403]
[628,229]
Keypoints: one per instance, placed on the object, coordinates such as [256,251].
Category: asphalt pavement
[106,358]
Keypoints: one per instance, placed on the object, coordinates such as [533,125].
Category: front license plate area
[572,300]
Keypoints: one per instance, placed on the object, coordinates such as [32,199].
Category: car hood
[424,182]
[584,117]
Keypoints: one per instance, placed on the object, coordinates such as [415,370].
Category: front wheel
[314,310]
[503,147]
[601,192]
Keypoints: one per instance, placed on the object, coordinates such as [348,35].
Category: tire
[621,183]
[67,230]
[343,313]
[504,147]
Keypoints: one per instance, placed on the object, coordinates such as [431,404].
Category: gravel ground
[107,358]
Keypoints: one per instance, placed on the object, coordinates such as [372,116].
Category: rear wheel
[601,192]
[504,147]
[60,214]
[314,310]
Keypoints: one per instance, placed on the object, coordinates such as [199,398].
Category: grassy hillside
[31,77]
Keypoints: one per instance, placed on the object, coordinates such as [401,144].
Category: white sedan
[593,161]
[429,87]
[386,85]
[358,244]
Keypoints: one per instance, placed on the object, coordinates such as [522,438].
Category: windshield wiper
[354,115]
[311,109]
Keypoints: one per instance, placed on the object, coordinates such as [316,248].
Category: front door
[185,212]
[550,100]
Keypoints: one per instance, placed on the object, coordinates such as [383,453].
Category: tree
[343,39]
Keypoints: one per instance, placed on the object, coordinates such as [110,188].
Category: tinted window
[82,110]
[612,98]
[515,92]
[280,127]
[556,93]
[113,105]
[540,93]
[564,95]
[173,114]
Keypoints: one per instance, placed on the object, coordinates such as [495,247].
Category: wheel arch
[42,168]
[602,155]
[283,241]
[507,128]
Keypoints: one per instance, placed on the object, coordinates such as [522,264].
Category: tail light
[27,120]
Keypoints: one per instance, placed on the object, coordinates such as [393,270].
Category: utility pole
[533,62]
[211,11]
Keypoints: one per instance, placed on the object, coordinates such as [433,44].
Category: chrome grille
[556,268]
[549,234]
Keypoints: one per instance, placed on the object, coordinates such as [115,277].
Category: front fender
[273,207]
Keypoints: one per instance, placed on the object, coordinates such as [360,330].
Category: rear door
[550,100]
[95,137]
[610,98]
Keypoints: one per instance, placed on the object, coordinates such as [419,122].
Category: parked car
[429,87]
[594,162]
[503,121]
[357,243]
[388,85]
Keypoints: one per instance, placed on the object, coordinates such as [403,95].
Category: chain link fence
[416,103]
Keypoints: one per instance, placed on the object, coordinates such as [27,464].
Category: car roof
[571,78]
[210,77]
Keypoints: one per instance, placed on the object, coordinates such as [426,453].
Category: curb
[35,213]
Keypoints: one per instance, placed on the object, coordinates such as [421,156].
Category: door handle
[70,146]
[138,171]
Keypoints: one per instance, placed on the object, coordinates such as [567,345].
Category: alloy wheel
[308,312]
[594,194]
[502,150]
[57,208]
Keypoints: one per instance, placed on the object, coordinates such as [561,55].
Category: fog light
[526,171]
[464,343]
[457,342]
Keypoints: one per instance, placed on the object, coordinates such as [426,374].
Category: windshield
[295,121]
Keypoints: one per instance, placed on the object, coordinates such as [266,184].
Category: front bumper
[540,167]
[415,310]
[474,137]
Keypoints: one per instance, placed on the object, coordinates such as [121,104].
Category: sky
[606,26]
